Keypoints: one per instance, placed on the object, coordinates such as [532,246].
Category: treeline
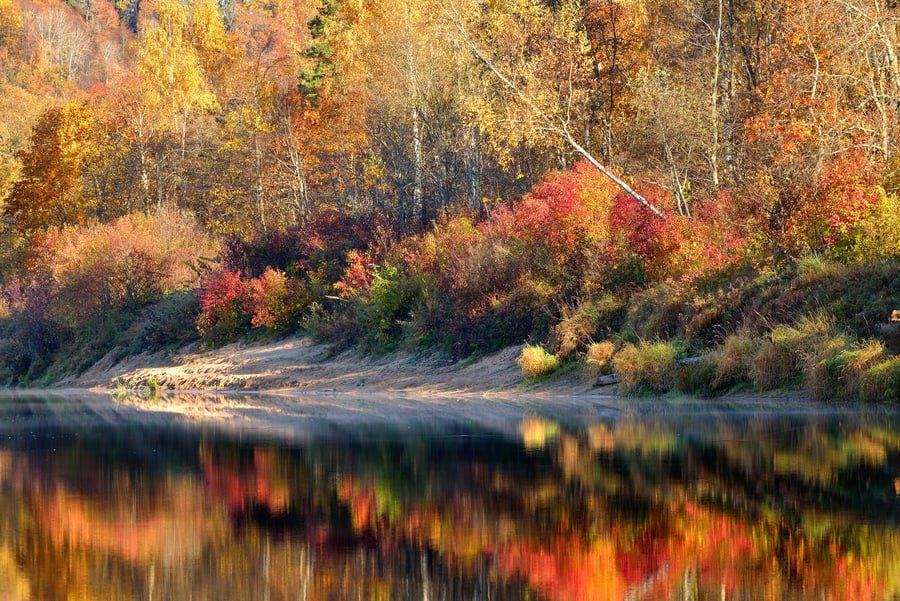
[445,172]
[256,114]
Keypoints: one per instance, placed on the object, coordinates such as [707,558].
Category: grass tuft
[837,373]
[647,367]
[781,359]
[598,359]
[734,360]
[536,362]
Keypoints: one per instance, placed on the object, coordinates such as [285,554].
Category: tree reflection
[634,508]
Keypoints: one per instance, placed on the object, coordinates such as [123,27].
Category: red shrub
[713,241]
[847,193]
[328,236]
[130,261]
[223,299]
[229,305]
[358,276]
[638,230]
[563,215]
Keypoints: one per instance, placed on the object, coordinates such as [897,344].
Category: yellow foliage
[878,236]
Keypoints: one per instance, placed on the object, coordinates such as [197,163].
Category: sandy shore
[298,364]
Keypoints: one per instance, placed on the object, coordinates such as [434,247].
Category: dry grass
[536,362]
[837,374]
[598,358]
[579,323]
[650,366]
[781,359]
[734,359]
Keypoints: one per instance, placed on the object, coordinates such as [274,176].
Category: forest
[619,184]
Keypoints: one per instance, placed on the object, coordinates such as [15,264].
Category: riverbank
[299,364]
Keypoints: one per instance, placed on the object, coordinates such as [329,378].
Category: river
[560,500]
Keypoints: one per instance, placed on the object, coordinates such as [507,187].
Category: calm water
[596,502]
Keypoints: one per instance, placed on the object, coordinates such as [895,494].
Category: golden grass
[782,357]
[837,374]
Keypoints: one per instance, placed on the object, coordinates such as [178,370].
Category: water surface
[557,501]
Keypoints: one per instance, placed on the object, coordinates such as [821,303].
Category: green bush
[389,302]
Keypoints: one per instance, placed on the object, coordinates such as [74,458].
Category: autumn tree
[11,29]
[52,190]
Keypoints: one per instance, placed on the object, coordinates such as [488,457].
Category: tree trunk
[418,175]
[714,102]
[260,202]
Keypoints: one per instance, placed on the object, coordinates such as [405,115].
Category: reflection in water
[640,507]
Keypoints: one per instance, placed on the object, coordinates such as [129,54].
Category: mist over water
[605,500]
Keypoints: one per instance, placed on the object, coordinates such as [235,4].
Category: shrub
[338,328]
[576,326]
[128,262]
[358,276]
[274,301]
[389,301]
[655,312]
[230,305]
[734,359]
[781,358]
[598,358]
[878,234]
[84,286]
[881,382]
[649,366]
[837,372]
[168,323]
[320,243]
[643,233]
[536,362]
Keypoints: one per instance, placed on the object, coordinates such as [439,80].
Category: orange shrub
[133,260]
